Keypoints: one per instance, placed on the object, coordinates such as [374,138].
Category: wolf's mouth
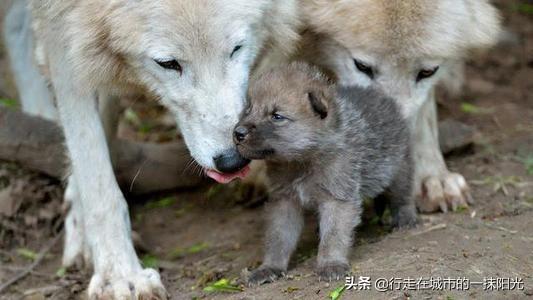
[227,177]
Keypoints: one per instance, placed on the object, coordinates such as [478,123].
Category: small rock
[454,135]
[508,38]
[9,201]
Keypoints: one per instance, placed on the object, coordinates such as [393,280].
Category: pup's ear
[318,103]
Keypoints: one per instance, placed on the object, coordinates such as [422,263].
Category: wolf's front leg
[103,209]
[284,225]
[435,186]
[35,97]
[337,222]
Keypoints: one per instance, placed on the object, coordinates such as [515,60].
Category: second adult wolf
[327,149]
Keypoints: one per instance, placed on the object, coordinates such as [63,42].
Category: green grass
[10,103]
[528,163]
[150,261]
[461,209]
[27,254]
[162,203]
[524,8]
[61,272]
[133,118]
[181,252]
[224,286]
[473,109]
[336,294]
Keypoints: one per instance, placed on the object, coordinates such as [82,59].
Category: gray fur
[360,150]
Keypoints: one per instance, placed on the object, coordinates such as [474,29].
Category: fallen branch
[40,256]
[429,229]
[45,290]
[18,269]
[141,168]
[501,228]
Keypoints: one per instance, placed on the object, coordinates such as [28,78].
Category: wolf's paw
[265,275]
[143,285]
[333,271]
[443,192]
[76,252]
[405,218]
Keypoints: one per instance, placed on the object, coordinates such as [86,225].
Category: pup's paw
[142,285]
[443,192]
[265,275]
[405,218]
[333,271]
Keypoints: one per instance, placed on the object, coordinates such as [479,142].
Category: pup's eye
[277,117]
[170,65]
[364,68]
[235,50]
[426,73]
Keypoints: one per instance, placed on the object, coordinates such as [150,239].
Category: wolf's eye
[364,68]
[170,65]
[277,117]
[426,73]
[235,50]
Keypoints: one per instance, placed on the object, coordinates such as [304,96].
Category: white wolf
[404,47]
[195,55]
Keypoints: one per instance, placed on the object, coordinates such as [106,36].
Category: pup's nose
[230,161]
[240,133]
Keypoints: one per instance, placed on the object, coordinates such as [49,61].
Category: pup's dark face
[286,116]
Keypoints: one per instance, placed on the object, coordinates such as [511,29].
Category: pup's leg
[400,197]
[284,225]
[435,187]
[117,271]
[35,97]
[337,222]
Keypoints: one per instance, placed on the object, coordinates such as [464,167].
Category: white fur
[94,51]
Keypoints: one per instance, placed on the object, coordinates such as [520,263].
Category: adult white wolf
[404,47]
[195,55]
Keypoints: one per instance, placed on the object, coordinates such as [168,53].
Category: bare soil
[198,237]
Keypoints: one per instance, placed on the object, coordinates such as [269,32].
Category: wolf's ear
[318,103]
[483,27]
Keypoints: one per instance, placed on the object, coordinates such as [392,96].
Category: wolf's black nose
[230,162]
[240,133]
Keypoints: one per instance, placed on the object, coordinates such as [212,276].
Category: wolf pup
[326,148]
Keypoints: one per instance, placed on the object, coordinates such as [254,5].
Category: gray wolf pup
[325,148]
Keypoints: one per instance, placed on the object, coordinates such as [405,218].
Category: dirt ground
[198,237]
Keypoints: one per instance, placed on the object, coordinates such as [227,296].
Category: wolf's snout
[230,161]
[240,133]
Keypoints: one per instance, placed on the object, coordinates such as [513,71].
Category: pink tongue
[227,178]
